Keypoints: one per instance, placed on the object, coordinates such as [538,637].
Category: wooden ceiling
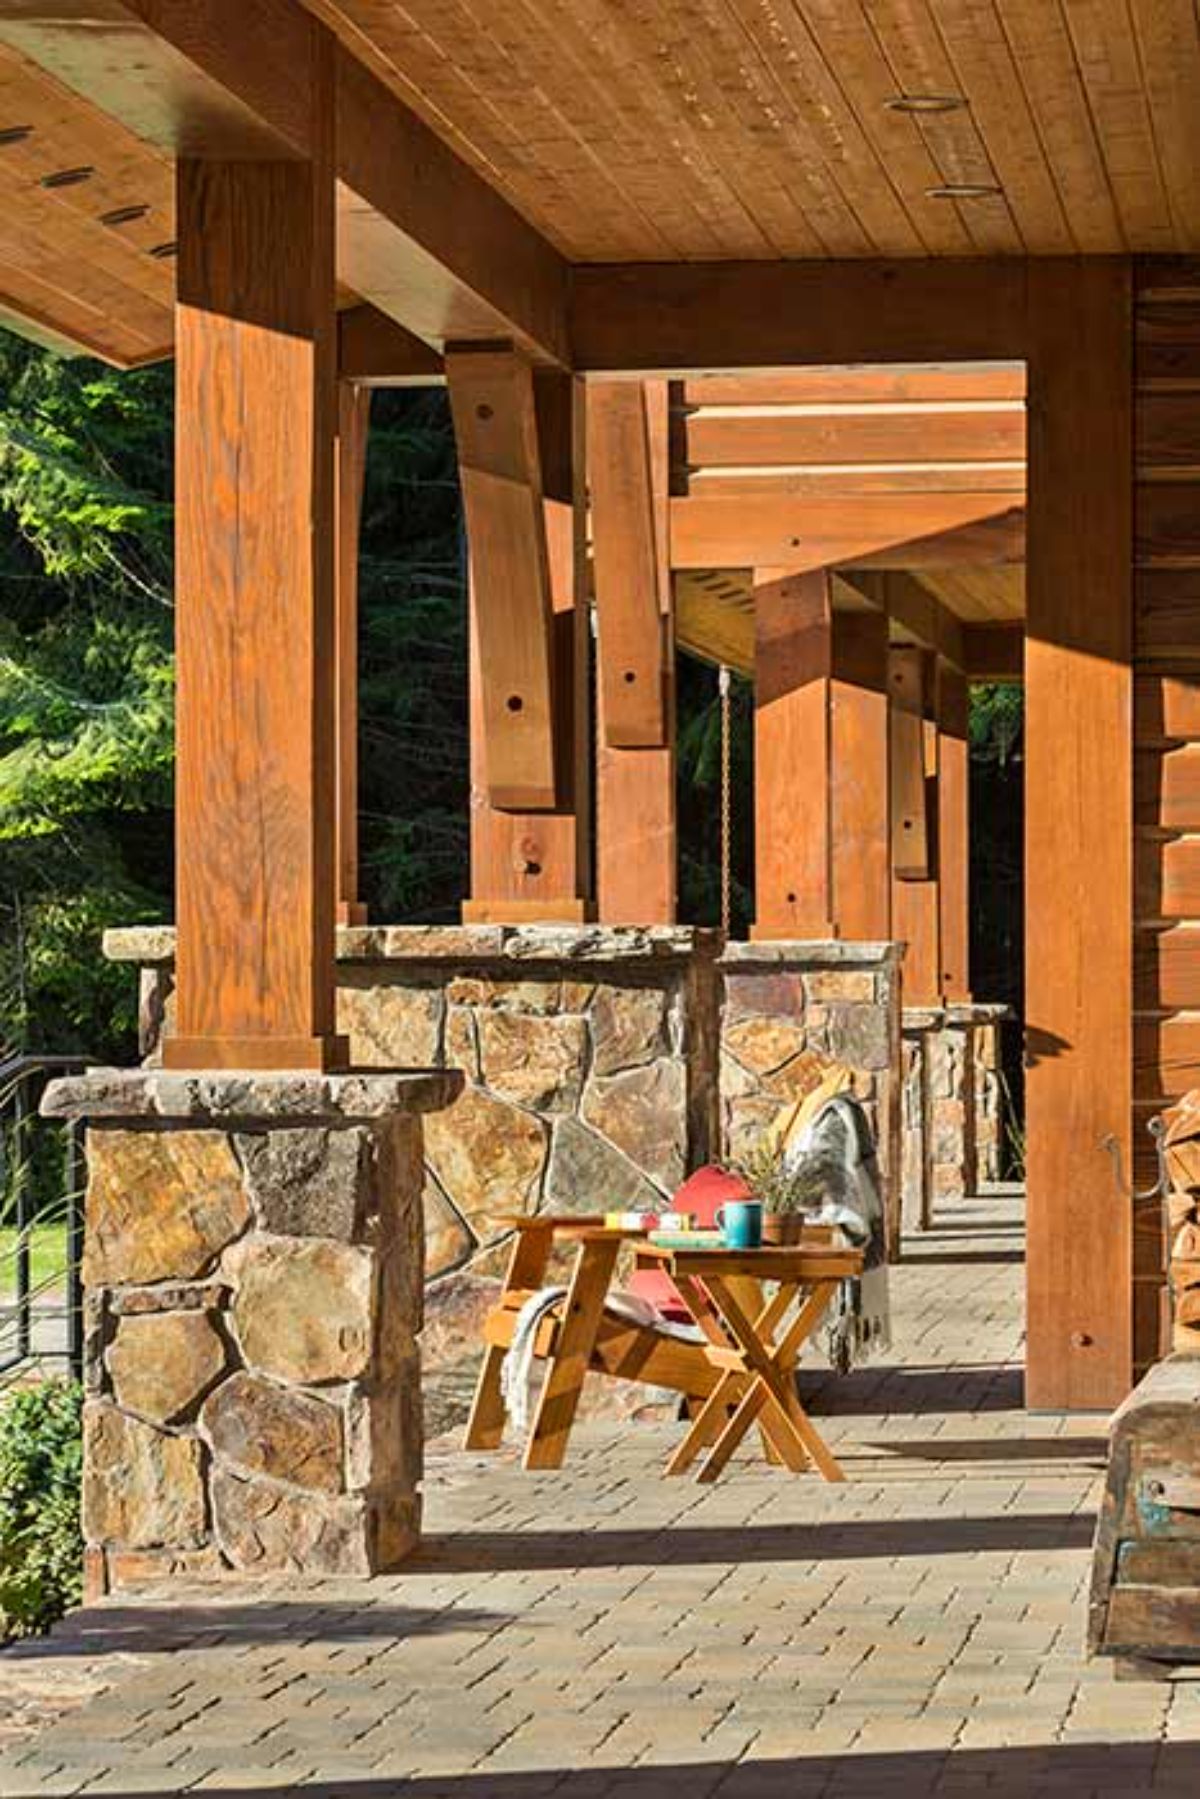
[84,205]
[652,131]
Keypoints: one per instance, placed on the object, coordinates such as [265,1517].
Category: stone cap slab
[155,1093]
[819,953]
[923,1018]
[983,1012]
[154,945]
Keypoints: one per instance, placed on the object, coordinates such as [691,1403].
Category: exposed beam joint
[374,351]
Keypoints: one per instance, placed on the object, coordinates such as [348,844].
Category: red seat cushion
[702,1194]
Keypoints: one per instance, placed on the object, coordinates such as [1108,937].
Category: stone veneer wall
[789,1012]
[590,1081]
[253,1301]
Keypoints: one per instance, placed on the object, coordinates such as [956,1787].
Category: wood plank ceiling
[651,130]
[87,222]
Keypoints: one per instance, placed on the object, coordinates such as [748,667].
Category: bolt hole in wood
[1081,1340]
[483,411]
[630,677]
[515,703]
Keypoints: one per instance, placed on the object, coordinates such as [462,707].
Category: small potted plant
[787,1194]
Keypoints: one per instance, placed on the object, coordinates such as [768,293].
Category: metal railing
[41,1223]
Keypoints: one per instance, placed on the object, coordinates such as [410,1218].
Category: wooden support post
[1079,835]
[354,412]
[628,462]
[820,749]
[255,412]
[534,866]
[914,811]
[495,427]
[858,777]
[953,832]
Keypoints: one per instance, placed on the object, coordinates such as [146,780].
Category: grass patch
[47,1257]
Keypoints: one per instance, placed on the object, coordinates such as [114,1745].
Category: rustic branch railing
[41,1223]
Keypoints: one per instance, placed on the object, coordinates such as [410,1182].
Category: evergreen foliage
[41,1547]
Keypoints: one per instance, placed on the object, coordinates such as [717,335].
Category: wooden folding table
[754,1341]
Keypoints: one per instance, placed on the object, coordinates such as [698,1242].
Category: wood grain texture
[255,620]
[636,829]
[534,867]
[954,832]
[353,425]
[630,643]
[495,427]
[1079,826]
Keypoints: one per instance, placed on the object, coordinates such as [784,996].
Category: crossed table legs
[757,1378]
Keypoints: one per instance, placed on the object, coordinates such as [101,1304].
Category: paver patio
[606,1632]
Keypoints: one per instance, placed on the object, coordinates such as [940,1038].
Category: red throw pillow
[701,1194]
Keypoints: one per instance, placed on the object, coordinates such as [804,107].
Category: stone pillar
[921,1026]
[789,1012]
[253,1299]
[987,1095]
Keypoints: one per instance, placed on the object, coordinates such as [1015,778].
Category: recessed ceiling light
[123,215]
[15,134]
[68,177]
[164,252]
[925,103]
[963,190]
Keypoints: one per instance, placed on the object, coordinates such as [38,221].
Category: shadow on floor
[1080,1770]
[164,1630]
[930,1391]
[490,1552]
[986,1449]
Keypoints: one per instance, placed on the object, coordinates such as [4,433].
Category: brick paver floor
[607,1632]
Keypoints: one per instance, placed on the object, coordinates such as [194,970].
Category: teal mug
[740,1222]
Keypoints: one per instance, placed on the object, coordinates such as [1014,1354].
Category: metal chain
[724,687]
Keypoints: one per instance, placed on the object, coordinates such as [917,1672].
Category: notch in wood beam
[910,822]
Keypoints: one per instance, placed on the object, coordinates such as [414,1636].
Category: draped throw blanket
[834,1144]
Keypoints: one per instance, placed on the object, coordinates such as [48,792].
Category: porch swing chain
[724,686]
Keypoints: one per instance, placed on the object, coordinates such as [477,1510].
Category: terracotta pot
[781,1228]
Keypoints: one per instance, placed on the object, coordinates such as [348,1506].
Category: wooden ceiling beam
[775,438]
[420,234]
[995,652]
[998,541]
[954,382]
[815,532]
[915,615]
[706,317]
[374,351]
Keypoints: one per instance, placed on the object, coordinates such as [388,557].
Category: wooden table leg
[526,1272]
[770,1372]
[583,1308]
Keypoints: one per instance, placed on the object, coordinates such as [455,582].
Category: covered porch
[869,410]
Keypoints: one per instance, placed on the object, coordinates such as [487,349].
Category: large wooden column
[628,474]
[953,833]
[354,413]
[916,916]
[1079,842]
[255,407]
[521,454]
[821,763]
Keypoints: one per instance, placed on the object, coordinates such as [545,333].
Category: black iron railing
[41,1222]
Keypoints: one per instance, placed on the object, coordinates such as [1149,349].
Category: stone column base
[789,1012]
[951,1112]
[253,1286]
